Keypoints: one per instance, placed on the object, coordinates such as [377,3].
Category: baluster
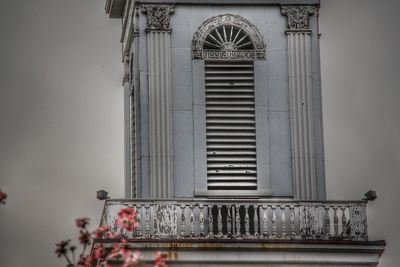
[139,219]
[219,220]
[201,218]
[210,221]
[265,221]
[153,210]
[229,220]
[344,222]
[183,220]
[327,222]
[283,222]
[256,232]
[238,232]
[191,207]
[246,220]
[147,221]
[274,227]
[321,219]
[336,220]
[292,222]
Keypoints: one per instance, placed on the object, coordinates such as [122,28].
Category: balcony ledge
[248,232]
[271,253]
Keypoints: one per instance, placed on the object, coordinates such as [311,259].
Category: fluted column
[160,98]
[301,108]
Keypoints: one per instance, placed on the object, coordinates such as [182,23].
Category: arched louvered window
[231,125]
[228,47]
[230,113]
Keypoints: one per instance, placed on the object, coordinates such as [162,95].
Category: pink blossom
[85,261]
[119,250]
[99,253]
[160,260]
[101,231]
[82,222]
[3,197]
[132,259]
[62,247]
[112,235]
[127,219]
[103,263]
[84,237]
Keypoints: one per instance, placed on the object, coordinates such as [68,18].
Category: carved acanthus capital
[158,16]
[297,16]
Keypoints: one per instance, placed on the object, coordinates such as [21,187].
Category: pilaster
[301,107]
[160,98]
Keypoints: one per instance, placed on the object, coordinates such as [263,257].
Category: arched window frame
[230,20]
[258,56]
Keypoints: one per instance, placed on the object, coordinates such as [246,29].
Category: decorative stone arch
[199,51]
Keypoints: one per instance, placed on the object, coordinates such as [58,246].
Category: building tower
[224,137]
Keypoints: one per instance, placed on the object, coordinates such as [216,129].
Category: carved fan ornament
[227,37]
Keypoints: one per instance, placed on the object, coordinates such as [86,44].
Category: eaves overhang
[115,8]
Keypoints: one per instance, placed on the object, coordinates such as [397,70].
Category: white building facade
[224,137]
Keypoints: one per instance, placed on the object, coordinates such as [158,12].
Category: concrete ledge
[236,2]
[264,254]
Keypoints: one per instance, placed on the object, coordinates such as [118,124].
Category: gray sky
[360,82]
[61,117]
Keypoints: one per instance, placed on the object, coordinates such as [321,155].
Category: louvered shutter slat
[230,126]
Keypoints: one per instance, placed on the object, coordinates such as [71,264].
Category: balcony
[235,220]
[248,233]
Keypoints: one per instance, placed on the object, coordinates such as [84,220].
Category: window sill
[233,193]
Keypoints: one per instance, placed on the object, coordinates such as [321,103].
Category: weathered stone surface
[244,219]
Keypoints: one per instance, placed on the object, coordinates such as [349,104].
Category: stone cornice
[298,17]
[158,16]
[115,8]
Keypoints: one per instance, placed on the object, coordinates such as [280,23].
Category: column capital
[298,17]
[158,16]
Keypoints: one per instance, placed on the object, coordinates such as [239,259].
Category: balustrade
[242,219]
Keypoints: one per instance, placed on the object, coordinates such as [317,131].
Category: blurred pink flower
[84,237]
[3,197]
[82,222]
[101,231]
[85,261]
[160,260]
[127,219]
[62,247]
[132,259]
[103,264]
[99,253]
[119,250]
